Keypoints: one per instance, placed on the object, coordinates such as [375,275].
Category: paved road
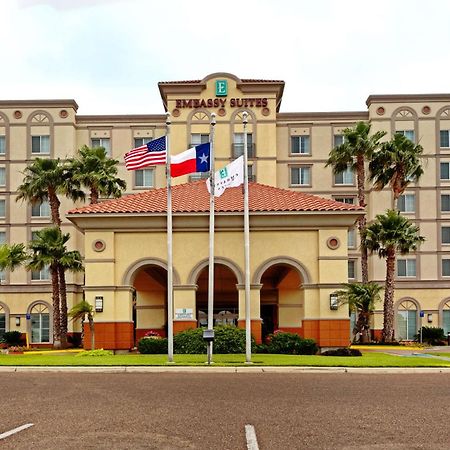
[210,411]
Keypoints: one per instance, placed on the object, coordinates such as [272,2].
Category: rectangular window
[2,237]
[40,145]
[238,145]
[407,133]
[338,139]
[345,177]
[446,267]
[444,139]
[445,235]
[407,203]
[351,269]
[445,202]
[2,208]
[139,142]
[199,138]
[300,176]
[144,178]
[40,209]
[41,275]
[406,267]
[2,176]
[351,238]
[2,145]
[300,145]
[347,200]
[102,142]
[251,175]
[445,171]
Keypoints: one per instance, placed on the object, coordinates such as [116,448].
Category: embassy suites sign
[221,103]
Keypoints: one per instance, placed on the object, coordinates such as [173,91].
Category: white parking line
[15,430]
[250,434]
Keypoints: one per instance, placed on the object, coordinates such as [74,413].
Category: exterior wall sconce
[98,304]
[17,321]
[334,303]
[429,318]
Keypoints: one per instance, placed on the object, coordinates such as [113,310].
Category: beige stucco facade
[275,160]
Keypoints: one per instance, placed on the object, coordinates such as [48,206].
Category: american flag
[154,152]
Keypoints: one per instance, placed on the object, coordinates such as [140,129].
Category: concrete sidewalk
[221,369]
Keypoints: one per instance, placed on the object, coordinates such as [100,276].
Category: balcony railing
[238,150]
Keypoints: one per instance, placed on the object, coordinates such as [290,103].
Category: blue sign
[422,313]
[28,316]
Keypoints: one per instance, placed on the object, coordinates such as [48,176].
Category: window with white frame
[102,142]
[351,269]
[446,267]
[41,275]
[338,139]
[347,200]
[301,176]
[144,178]
[445,235]
[199,138]
[407,203]
[345,177]
[2,207]
[40,209]
[351,238]
[40,323]
[238,145]
[40,145]
[406,327]
[445,170]
[300,145]
[445,138]
[409,134]
[446,318]
[140,141]
[2,145]
[2,176]
[2,241]
[406,267]
[445,202]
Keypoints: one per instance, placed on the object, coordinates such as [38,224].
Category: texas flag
[196,159]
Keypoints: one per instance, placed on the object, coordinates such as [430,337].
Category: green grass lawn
[367,360]
[446,354]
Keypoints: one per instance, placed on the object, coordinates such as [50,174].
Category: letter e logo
[221,88]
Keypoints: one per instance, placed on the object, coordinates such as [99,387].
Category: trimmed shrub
[12,338]
[342,352]
[189,342]
[291,344]
[152,346]
[261,348]
[432,336]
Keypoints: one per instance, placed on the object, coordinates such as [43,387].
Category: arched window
[406,320]
[3,320]
[40,323]
[446,317]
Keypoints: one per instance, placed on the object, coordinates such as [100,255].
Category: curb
[196,369]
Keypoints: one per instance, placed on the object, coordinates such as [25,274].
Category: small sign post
[422,315]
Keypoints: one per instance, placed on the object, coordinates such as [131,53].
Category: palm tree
[96,171]
[361,298]
[79,312]
[389,234]
[44,180]
[12,256]
[358,147]
[397,163]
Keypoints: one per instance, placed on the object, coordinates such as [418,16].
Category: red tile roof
[194,197]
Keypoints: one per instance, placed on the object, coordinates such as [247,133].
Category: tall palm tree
[389,234]
[357,148]
[361,298]
[79,312]
[69,261]
[96,171]
[397,163]
[44,180]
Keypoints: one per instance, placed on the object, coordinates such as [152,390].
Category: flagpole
[211,238]
[248,335]
[169,249]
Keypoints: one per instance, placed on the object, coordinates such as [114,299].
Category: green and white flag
[231,175]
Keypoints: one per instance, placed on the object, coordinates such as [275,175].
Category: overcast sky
[109,55]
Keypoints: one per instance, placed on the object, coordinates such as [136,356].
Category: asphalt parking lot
[210,411]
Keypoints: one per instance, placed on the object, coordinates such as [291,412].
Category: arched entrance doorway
[226,297]
[281,299]
[150,300]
